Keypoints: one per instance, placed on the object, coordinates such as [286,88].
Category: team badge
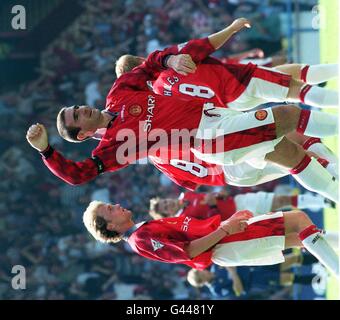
[261,115]
[135,110]
[156,245]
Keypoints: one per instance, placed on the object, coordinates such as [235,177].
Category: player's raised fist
[182,64]
[240,23]
[37,137]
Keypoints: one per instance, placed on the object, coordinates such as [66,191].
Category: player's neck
[105,120]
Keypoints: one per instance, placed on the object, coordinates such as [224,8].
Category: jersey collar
[99,134]
[114,115]
[128,233]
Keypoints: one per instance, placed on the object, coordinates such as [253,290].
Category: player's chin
[127,212]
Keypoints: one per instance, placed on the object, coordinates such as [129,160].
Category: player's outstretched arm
[37,137]
[218,39]
[185,63]
[72,172]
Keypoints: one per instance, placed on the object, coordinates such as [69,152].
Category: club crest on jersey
[261,115]
[156,245]
[135,110]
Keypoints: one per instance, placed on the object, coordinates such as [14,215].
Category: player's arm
[218,39]
[235,224]
[197,50]
[183,58]
[72,172]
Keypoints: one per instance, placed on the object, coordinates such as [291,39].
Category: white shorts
[265,62]
[240,135]
[257,202]
[266,85]
[246,175]
[260,244]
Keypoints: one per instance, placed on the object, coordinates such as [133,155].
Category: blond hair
[97,225]
[126,63]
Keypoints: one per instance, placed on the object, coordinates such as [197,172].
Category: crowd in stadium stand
[41,217]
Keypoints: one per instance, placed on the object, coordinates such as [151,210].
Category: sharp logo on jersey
[156,245]
[181,45]
[185,225]
[261,115]
[149,116]
[208,114]
[135,110]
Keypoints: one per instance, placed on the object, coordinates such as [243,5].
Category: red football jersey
[139,111]
[212,81]
[194,206]
[165,239]
[187,171]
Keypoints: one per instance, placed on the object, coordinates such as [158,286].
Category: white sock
[333,169]
[310,201]
[319,73]
[319,97]
[317,245]
[314,177]
[315,145]
[317,124]
[332,238]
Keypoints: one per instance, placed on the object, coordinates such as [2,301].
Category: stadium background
[66,55]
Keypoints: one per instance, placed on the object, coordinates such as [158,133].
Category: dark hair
[68,133]
[101,227]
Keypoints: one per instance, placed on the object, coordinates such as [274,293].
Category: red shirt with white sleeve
[139,111]
[166,239]
[213,81]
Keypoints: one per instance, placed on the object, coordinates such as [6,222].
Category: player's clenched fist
[37,137]
[237,222]
[182,64]
[240,23]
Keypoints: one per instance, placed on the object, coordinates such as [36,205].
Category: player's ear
[84,134]
[111,226]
